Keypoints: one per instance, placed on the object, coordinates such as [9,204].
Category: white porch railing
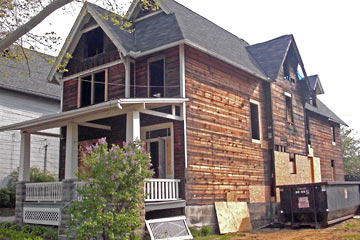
[43,192]
[154,190]
[78,185]
[161,189]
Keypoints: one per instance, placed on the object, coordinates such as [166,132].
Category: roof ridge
[274,39]
[241,39]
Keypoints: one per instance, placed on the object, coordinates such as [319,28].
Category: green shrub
[29,232]
[7,198]
[195,232]
[205,231]
[111,200]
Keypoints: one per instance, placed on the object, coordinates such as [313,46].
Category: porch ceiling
[94,112]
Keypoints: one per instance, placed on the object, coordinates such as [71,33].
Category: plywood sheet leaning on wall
[233,217]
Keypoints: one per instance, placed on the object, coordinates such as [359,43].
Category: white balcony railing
[154,190]
[161,189]
[43,192]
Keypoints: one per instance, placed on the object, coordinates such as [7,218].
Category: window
[289,109]
[157,78]
[292,163]
[94,42]
[308,136]
[92,89]
[286,70]
[255,124]
[333,173]
[333,134]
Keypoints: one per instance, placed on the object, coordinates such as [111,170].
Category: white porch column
[71,158]
[132,125]
[24,171]
[127,64]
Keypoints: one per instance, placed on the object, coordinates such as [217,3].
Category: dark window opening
[95,42]
[333,135]
[255,126]
[333,173]
[86,91]
[292,162]
[157,79]
[280,148]
[154,153]
[99,82]
[286,67]
[308,130]
[289,110]
[177,111]
[166,132]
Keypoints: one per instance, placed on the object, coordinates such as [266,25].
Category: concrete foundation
[261,214]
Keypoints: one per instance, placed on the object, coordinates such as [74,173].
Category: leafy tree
[350,145]
[19,17]
[113,194]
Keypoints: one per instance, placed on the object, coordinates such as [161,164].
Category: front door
[159,143]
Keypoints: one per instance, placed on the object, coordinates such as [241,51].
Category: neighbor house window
[156,82]
[92,89]
[255,121]
[94,42]
[333,134]
[289,108]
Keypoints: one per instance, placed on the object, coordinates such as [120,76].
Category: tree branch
[33,22]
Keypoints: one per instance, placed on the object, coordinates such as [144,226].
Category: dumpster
[318,204]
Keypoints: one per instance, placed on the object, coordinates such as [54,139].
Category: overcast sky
[327,34]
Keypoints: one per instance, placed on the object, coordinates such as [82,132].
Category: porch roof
[90,113]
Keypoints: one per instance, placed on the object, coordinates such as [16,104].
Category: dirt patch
[348,230]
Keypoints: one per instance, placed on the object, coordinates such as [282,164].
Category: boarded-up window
[289,109]
[255,124]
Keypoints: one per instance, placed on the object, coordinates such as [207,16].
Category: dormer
[292,69]
[139,11]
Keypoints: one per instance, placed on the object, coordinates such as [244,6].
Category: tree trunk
[33,22]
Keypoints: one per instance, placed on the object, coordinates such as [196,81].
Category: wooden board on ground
[233,217]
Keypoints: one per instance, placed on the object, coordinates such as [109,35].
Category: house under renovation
[224,120]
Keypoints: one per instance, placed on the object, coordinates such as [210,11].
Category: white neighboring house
[26,95]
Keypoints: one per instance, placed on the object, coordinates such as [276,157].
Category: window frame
[333,134]
[160,126]
[149,61]
[92,97]
[254,102]
[288,108]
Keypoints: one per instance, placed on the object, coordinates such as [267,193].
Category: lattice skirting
[43,216]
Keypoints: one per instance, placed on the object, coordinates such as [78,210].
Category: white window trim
[260,122]
[154,59]
[157,127]
[288,94]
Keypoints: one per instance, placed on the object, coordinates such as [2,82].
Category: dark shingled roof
[323,110]
[271,54]
[184,24]
[15,76]
[312,80]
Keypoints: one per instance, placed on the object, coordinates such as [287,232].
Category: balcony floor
[153,206]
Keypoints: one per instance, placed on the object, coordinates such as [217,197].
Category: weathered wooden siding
[172,73]
[221,155]
[79,62]
[290,135]
[321,142]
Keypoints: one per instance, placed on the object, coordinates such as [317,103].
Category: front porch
[44,203]
[158,122]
